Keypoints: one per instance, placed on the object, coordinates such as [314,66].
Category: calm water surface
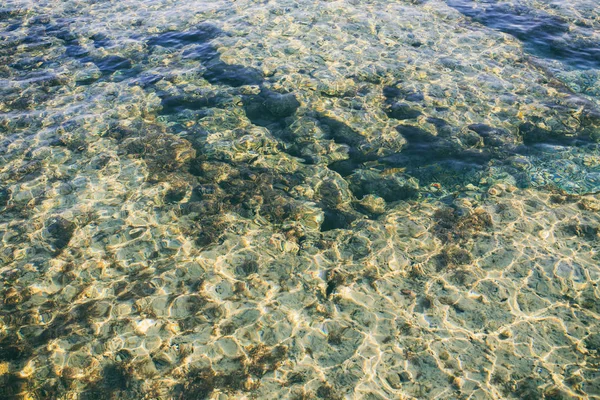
[300,199]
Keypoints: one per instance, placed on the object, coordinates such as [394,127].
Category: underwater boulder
[60,231]
[494,137]
[268,107]
[4,196]
[281,105]
[533,135]
[164,152]
[402,111]
[333,192]
[363,145]
[219,73]
[389,187]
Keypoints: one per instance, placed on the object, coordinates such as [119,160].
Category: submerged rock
[373,204]
[268,107]
[4,196]
[453,256]
[363,145]
[533,134]
[162,152]
[176,193]
[333,193]
[457,224]
[281,105]
[220,73]
[393,94]
[494,137]
[402,111]
[60,231]
[338,219]
[388,187]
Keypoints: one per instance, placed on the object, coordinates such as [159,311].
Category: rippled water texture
[299,199]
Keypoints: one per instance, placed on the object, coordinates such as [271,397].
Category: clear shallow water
[299,199]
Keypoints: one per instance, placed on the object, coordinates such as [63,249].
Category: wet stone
[535,135]
[361,148]
[268,107]
[206,192]
[402,111]
[592,343]
[332,193]
[554,393]
[11,386]
[115,377]
[431,158]
[211,230]
[138,290]
[60,231]
[8,12]
[583,230]
[454,224]
[13,349]
[341,133]
[344,167]
[27,63]
[264,359]
[278,209]
[388,187]
[4,196]
[13,27]
[281,105]
[530,389]
[186,305]
[455,256]
[373,204]
[162,152]
[247,267]
[358,247]
[295,378]
[494,137]
[337,219]
[414,96]
[175,194]
[393,93]
[442,127]
[325,391]
[416,135]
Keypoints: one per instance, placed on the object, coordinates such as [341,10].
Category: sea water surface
[259,199]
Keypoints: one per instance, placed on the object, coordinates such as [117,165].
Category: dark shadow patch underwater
[217,72]
[542,34]
[198,47]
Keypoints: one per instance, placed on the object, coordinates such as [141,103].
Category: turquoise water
[317,199]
